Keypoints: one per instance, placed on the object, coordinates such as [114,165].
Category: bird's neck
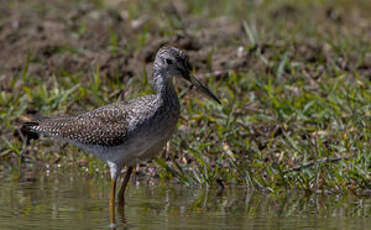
[163,85]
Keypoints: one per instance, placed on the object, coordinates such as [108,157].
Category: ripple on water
[71,201]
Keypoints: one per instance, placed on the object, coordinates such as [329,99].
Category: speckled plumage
[124,133]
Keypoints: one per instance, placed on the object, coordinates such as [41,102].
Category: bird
[127,132]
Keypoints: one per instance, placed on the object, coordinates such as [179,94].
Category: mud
[56,38]
[76,38]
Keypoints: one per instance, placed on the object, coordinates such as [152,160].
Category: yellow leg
[123,186]
[112,203]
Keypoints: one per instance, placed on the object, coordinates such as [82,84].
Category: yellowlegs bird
[124,133]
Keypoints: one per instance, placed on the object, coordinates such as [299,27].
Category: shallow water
[68,200]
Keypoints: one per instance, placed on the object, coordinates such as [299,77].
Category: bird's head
[175,63]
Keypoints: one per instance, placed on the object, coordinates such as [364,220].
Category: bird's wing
[104,126]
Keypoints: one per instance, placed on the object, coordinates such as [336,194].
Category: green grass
[297,118]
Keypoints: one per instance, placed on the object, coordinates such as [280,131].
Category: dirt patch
[79,38]
[58,42]
[56,37]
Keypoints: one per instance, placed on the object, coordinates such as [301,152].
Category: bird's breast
[150,141]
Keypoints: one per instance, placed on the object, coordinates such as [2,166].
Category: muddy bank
[56,38]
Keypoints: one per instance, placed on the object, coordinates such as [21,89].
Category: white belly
[142,146]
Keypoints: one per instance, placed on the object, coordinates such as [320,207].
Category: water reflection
[59,200]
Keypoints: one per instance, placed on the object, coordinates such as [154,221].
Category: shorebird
[125,133]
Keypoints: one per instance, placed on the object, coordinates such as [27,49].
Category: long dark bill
[203,88]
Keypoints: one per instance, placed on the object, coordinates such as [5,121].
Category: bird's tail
[28,130]
[29,126]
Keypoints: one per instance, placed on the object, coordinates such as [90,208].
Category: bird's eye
[169,61]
